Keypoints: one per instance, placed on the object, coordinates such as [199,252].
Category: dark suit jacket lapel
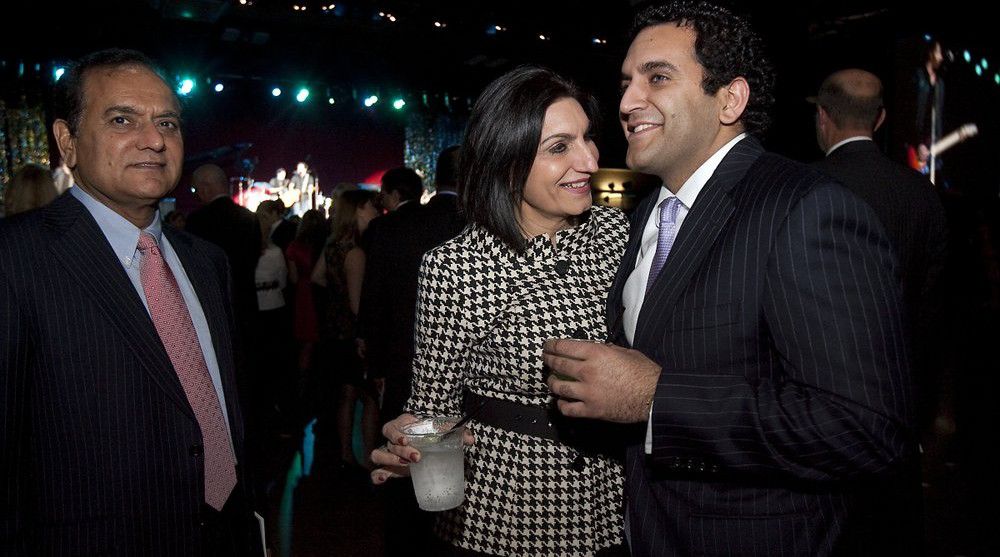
[81,248]
[615,308]
[205,278]
[712,210]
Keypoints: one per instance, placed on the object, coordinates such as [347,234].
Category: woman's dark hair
[69,98]
[500,144]
[726,47]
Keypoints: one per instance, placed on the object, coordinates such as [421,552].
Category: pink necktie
[173,324]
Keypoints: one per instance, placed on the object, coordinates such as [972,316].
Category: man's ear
[880,120]
[822,117]
[65,141]
[734,98]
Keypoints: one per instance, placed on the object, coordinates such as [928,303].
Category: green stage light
[186,87]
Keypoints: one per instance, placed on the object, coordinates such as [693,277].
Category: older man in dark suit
[121,433]
[758,312]
[231,227]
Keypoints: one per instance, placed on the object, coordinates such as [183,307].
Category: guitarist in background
[930,103]
[926,141]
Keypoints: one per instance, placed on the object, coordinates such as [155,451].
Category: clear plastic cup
[439,477]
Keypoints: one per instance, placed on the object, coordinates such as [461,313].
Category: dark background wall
[350,52]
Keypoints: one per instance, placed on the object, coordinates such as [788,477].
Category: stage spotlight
[186,87]
[219,87]
[302,95]
[276,92]
[370,101]
[58,72]
[398,104]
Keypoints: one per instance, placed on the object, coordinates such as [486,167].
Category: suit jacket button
[197,450]
[562,267]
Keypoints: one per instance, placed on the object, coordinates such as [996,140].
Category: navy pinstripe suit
[785,386]
[99,448]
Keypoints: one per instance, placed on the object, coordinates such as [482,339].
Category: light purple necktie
[665,239]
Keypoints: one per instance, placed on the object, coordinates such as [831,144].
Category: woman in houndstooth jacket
[536,262]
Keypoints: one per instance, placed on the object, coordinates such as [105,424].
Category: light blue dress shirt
[124,239]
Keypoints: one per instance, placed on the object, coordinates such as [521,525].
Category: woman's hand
[393,459]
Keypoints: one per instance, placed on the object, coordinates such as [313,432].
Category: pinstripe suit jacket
[99,448]
[784,387]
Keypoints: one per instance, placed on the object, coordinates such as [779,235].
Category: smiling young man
[121,430]
[757,316]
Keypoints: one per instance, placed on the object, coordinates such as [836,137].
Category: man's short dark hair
[404,180]
[501,142]
[727,47]
[69,96]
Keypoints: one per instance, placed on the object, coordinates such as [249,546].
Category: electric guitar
[943,144]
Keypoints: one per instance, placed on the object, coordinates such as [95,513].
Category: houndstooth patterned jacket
[483,313]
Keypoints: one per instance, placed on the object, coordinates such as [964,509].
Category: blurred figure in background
[232,228]
[341,270]
[447,220]
[176,219]
[301,257]
[31,188]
